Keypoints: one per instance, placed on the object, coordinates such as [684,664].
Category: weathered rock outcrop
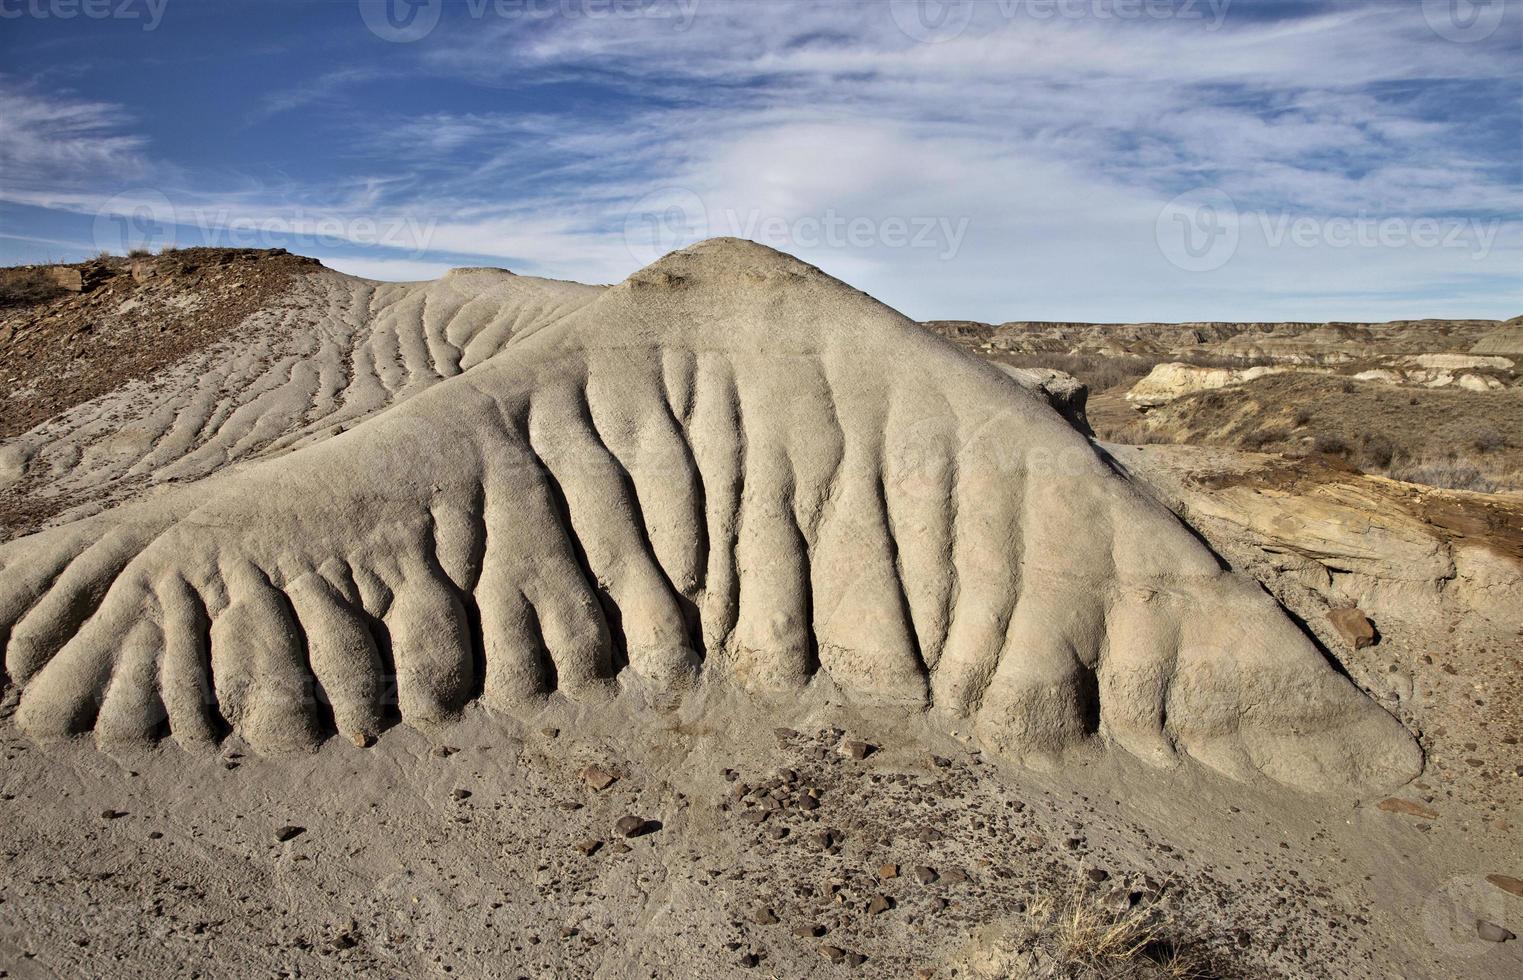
[729,471]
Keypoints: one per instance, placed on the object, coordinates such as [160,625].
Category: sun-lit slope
[729,470]
[330,352]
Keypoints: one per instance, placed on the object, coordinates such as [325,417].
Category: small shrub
[28,287]
[1257,440]
[1303,416]
[139,253]
[1135,434]
[1448,474]
[1138,942]
[1488,442]
[1377,451]
[1332,445]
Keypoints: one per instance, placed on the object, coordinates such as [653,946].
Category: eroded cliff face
[730,470]
[1439,573]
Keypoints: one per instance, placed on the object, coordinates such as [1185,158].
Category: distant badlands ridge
[729,475]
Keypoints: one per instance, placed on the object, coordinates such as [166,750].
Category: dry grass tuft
[1083,938]
[28,286]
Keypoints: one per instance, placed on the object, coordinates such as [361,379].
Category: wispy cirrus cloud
[1042,153]
[45,138]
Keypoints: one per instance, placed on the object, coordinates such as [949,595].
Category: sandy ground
[417,860]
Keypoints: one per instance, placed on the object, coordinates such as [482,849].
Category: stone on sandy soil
[1508,884]
[288,832]
[633,826]
[1353,626]
[857,750]
[598,778]
[1411,808]
[1493,933]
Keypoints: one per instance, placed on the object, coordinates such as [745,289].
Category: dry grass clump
[1082,936]
[28,286]
[1134,434]
[1453,473]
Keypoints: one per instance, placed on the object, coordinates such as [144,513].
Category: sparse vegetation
[1083,935]
[1450,473]
[1259,439]
[1098,372]
[1442,437]
[27,286]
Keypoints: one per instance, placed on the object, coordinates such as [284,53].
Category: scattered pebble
[1507,883]
[1493,933]
[1395,804]
[633,826]
[858,750]
[598,778]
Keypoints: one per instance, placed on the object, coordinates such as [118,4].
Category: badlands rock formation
[1167,382]
[728,473]
[334,352]
[1505,339]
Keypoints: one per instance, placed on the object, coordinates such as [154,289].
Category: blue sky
[993,160]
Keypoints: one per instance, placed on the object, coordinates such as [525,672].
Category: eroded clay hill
[729,475]
[244,360]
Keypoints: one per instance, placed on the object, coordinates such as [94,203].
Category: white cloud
[1039,153]
[48,138]
[386,270]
